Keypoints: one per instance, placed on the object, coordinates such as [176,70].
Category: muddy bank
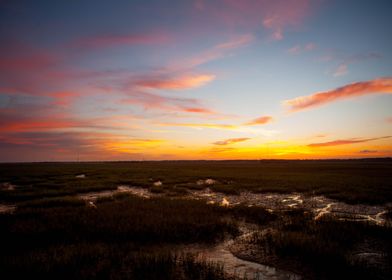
[320,206]
[236,265]
[7,208]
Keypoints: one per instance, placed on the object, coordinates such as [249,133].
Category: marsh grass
[109,261]
[63,239]
[322,248]
[353,181]
[53,235]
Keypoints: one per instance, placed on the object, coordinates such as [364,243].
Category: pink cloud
[198,110]
[283,14]
[274,16]
[175,83]
[202,125]
[260,121]
[345,142]
[230,141]
[27,69]
[155,101]
[64,98]
[377,86]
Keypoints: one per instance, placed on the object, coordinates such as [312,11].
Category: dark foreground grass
[352,181]
[120,239]
[108,261]
[130,219]
[328,248]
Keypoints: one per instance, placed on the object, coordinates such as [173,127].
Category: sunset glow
[200,79]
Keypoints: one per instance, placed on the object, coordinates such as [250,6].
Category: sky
[92,80]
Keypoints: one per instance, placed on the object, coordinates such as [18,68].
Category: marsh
[205,220]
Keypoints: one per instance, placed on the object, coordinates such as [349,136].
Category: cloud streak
[202,125]
[230,141]
[368,151]
[175,83]
[155,101]
[345,142]
[260,121]
[377,86]
[274,16]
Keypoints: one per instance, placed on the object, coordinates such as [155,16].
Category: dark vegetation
[120,239]
[53,235]
[327,248]
[124,237]
[352,181]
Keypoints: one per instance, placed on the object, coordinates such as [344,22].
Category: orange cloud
[230,141]
[198,110]
[176,83]
[345,142]
[377,86]
[36,125]
[260,121]
[131,145]
[202,125]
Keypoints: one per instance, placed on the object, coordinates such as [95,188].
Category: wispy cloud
[341,70]
[345,142]
[283,14]
[377,86]
[274,16]
[202,125]
[344,60]
[368,151]
[216,52]
[230,141]
[297,49]
[260,121]
[236,42]
[155,101]
[175,83]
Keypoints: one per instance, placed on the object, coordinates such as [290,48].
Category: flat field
[197,220]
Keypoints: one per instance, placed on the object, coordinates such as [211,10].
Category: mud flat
[319,205]
[93,196]
[6,208]
[239,267]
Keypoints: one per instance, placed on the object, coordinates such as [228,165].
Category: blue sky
[219,79]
